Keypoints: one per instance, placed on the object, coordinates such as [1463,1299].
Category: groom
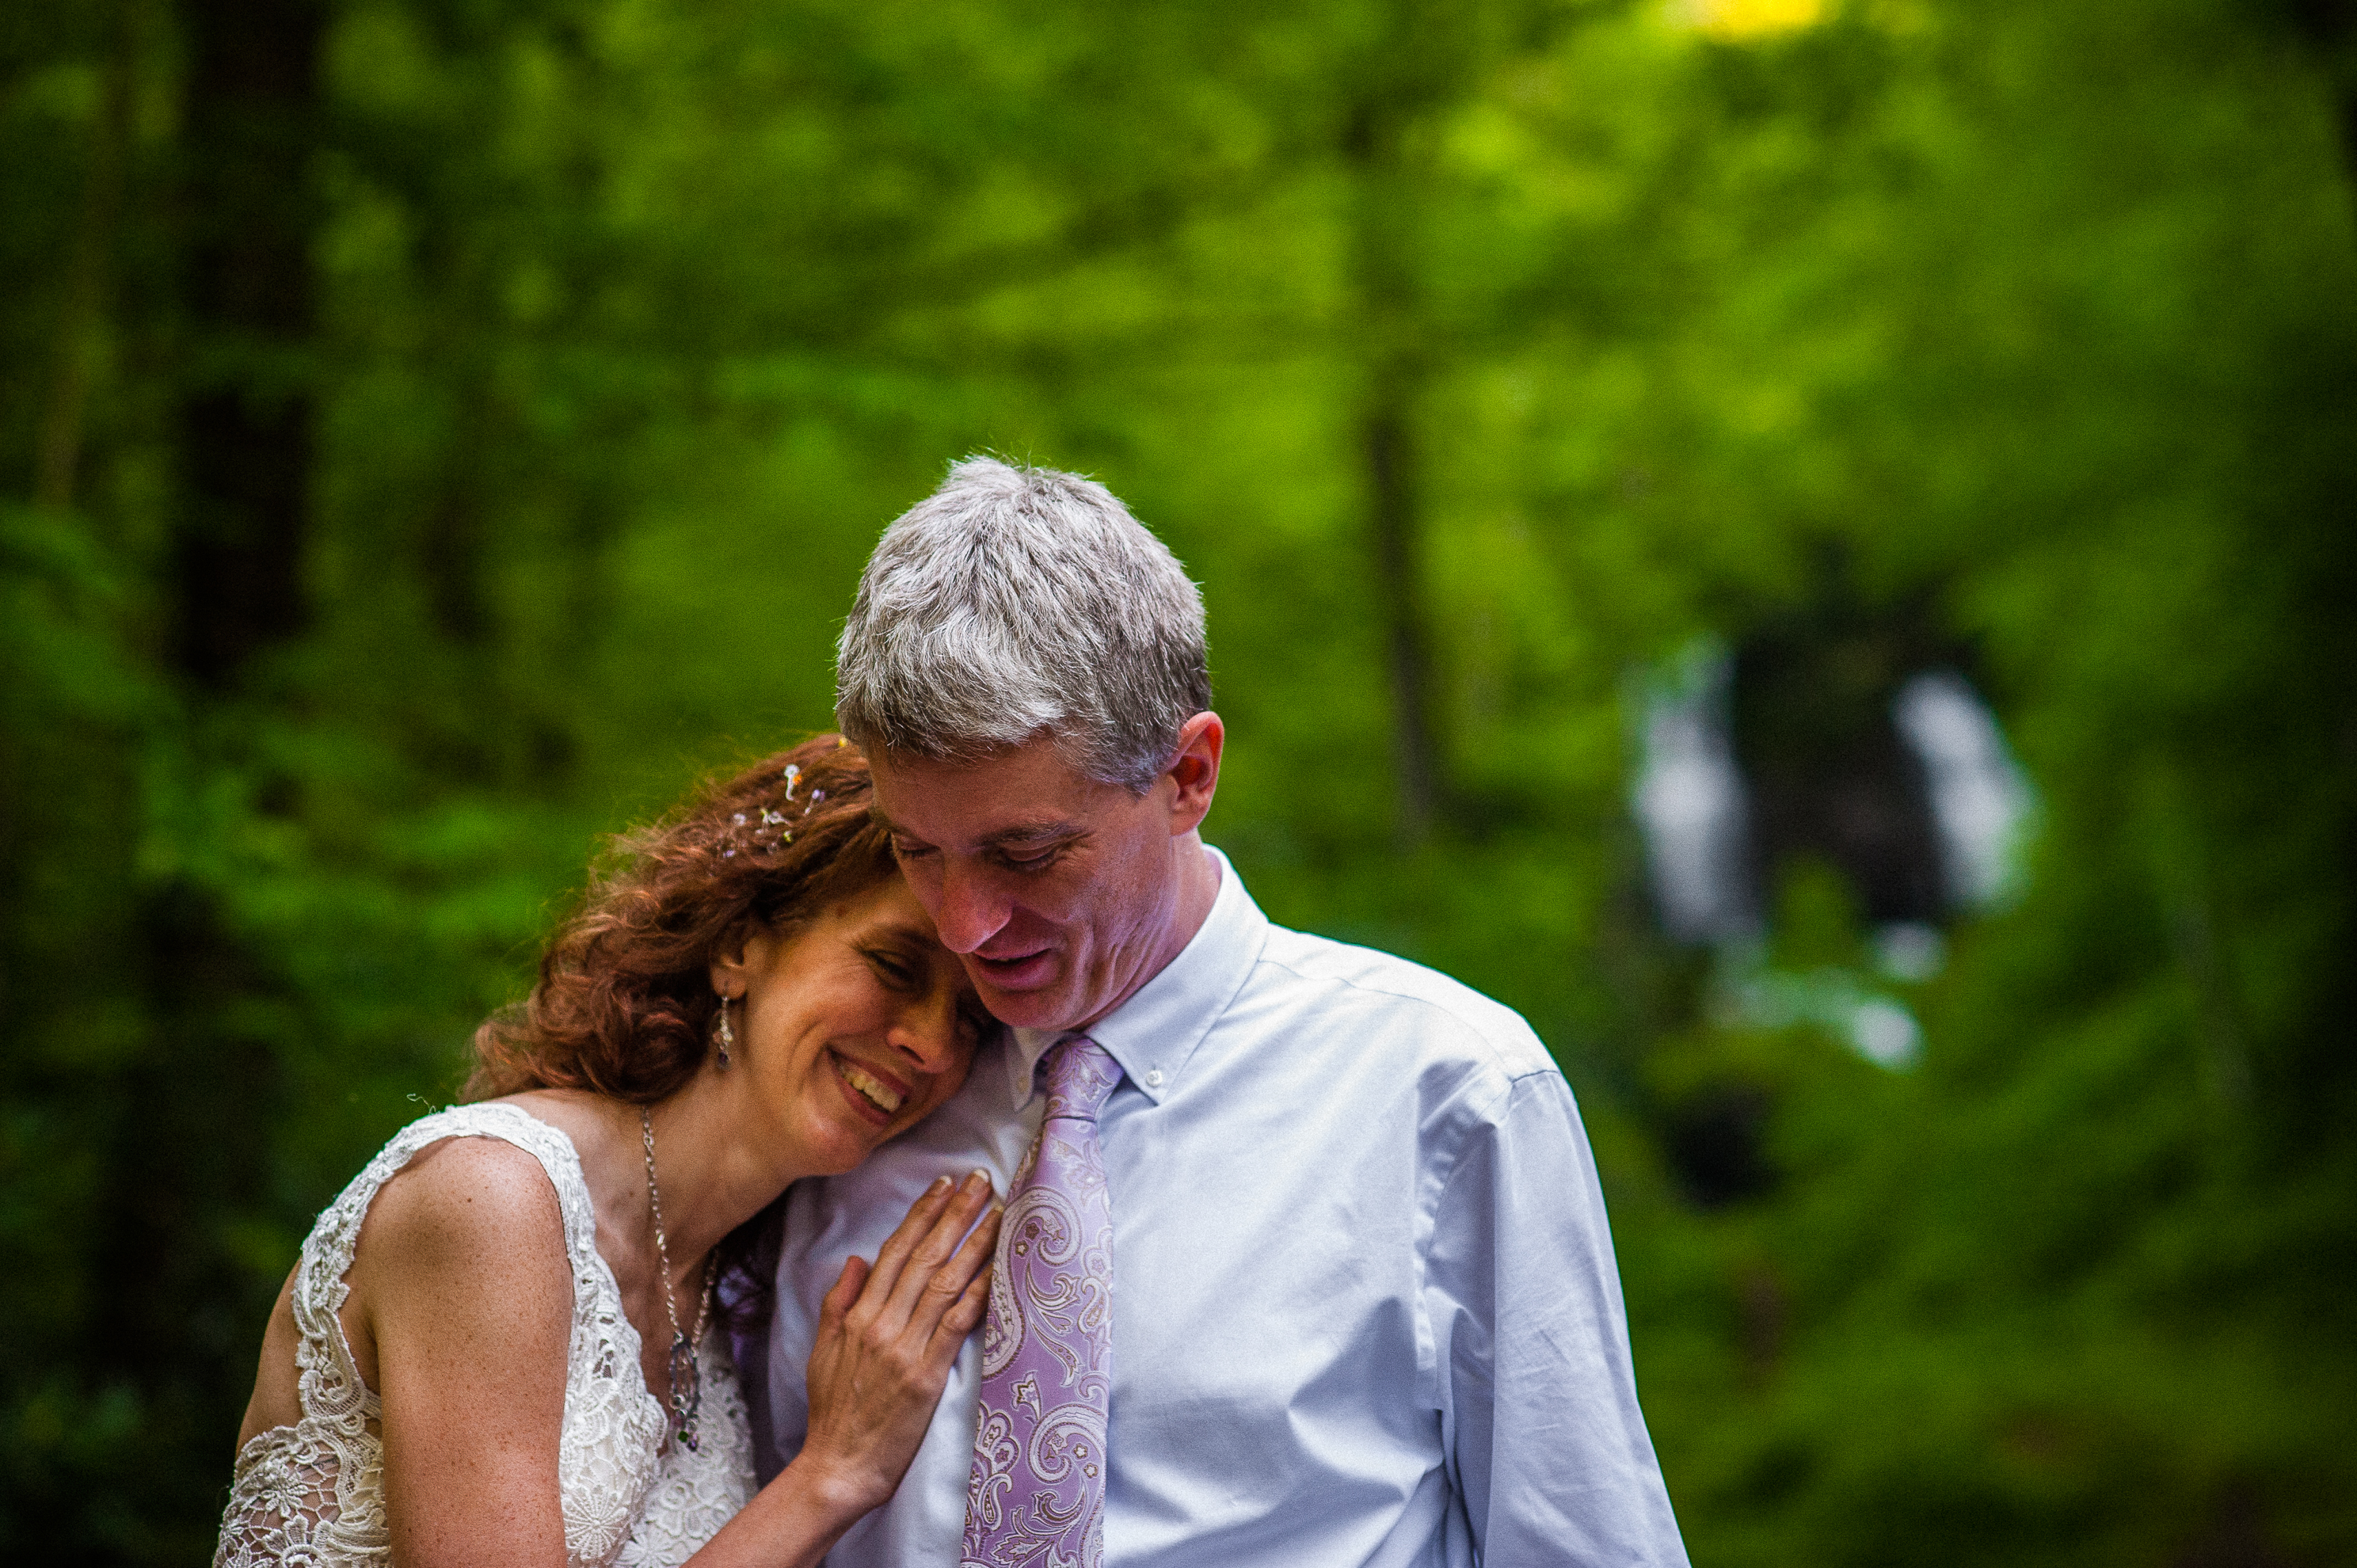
[1305,1261]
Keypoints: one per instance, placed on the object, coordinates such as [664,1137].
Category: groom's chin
[1030,1007]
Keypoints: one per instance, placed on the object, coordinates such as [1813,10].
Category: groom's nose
[972,909]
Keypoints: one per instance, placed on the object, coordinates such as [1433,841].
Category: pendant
[686,1390]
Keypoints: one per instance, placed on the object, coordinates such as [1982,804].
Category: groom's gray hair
[1014,603]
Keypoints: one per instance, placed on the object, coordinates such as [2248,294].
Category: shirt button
[1153,1077]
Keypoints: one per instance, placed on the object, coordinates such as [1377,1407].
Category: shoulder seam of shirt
[1492,1118]
[1499,1059]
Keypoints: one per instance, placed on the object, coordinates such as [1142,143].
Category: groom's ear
[1195,771]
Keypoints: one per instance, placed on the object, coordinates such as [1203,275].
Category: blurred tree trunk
[177,1307]
[1394,376]
[1421,786]
[1405,75]
[2330,29]
[57,457]
[252,113]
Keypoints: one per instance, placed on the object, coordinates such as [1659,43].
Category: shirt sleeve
[1547,1446]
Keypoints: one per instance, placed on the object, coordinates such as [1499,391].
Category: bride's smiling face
[851,1027]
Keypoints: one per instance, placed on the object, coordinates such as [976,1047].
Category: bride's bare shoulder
[462,1255]
[469,1229]
[465,1203]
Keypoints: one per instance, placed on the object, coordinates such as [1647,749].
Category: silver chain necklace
[686,1379]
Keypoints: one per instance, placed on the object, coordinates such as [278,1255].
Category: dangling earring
[723,1034]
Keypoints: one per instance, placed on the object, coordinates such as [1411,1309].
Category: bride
[506,1341]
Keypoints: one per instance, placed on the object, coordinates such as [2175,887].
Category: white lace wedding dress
[313,1493]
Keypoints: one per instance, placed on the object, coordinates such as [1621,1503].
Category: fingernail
[941,1184]
[978,1180]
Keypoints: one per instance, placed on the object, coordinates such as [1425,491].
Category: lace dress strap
[331,1379]
[313,1492]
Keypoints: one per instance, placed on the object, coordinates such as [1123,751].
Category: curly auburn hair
[624,1004]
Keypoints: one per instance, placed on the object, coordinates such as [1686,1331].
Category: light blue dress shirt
[1364,1304]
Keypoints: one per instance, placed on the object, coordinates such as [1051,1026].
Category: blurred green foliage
[1472,357]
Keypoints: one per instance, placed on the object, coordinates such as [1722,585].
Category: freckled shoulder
[468,1204]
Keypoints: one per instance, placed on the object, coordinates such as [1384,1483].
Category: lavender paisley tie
[1036,1497]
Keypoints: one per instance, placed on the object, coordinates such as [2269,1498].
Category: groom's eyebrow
[1034,834]
[1014,832]
[1030,833]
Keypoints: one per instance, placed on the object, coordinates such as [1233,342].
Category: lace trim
[312,1493]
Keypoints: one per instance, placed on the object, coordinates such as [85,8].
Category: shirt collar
[1154,1033]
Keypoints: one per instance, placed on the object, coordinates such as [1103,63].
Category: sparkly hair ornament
[767,832]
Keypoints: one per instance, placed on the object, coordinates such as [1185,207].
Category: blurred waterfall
[1981,801]
[1690,799]
[1696,808]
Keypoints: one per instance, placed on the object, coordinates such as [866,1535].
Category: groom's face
[1059,893]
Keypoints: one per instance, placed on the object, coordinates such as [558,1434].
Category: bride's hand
[887,1336]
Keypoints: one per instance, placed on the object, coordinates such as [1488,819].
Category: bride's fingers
[960,1289]
[907,1260]
[842,1293]
[914,1297]
[963,1317]
[934,1333]
[894,1254]
[972,1260]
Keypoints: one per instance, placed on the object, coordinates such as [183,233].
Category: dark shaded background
[434,430]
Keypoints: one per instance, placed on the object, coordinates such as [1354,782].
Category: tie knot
[1080,1075]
